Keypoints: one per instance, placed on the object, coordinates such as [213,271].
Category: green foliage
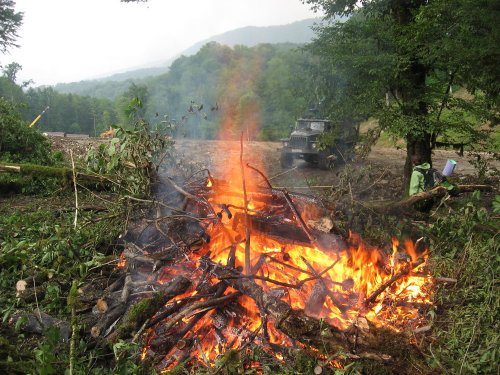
[398,62]
[10,21]
[68,112]
[496,204]
[467,329]
[127,356]
[40,241]
[482,165]
[129,159]
[327,139]
[18,142]
[47,353]
[262,89]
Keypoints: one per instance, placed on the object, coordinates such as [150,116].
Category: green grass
[466,336]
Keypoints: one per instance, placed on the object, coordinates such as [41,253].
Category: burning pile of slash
[226,263]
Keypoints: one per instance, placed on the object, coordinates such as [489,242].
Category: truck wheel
[286,160]
[323,161]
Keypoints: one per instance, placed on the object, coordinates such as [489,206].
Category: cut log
[54,172]
[38,321]
[108,319]
[30,294]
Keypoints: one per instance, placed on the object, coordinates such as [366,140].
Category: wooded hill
[299,32]
[197,92]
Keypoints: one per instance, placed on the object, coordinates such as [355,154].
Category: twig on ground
[75,187]
[282,173]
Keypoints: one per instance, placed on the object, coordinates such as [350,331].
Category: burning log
[161,345]
[284,230]
[188,311]
[329,293]
[316,299]
[296,324]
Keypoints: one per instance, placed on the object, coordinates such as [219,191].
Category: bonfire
[234,262]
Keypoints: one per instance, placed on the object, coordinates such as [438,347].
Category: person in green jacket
[417,183]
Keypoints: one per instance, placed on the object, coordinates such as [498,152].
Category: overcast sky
[73,40]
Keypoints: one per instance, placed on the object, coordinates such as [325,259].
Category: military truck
[303,144]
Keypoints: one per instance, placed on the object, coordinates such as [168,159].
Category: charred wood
[143,310]
[329,293]
[316,299]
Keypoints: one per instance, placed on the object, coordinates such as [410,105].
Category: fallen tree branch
[439,192]
[404,206]
[54,172]
[392,280]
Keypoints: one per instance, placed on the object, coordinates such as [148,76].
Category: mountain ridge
[298,32]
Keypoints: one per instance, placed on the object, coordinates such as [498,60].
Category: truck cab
[303,144]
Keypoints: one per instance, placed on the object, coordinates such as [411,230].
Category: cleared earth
[382,170]
[383,167]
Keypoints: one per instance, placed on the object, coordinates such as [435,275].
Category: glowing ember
[122,261]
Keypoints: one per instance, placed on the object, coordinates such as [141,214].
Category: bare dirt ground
[382,170]
[379,176]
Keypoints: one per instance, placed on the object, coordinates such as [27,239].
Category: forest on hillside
[271,80]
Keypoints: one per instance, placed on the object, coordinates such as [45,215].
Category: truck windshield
[315,125]
[310,125]
[302,125]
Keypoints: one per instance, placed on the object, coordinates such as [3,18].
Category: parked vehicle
[303,143]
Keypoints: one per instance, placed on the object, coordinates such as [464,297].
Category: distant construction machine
[39,117]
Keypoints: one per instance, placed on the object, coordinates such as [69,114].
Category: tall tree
[382,59]
[10,21]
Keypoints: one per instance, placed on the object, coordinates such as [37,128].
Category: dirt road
[382,170]
[384,164]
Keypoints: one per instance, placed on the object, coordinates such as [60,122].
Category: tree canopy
[10,21]
[399,60]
